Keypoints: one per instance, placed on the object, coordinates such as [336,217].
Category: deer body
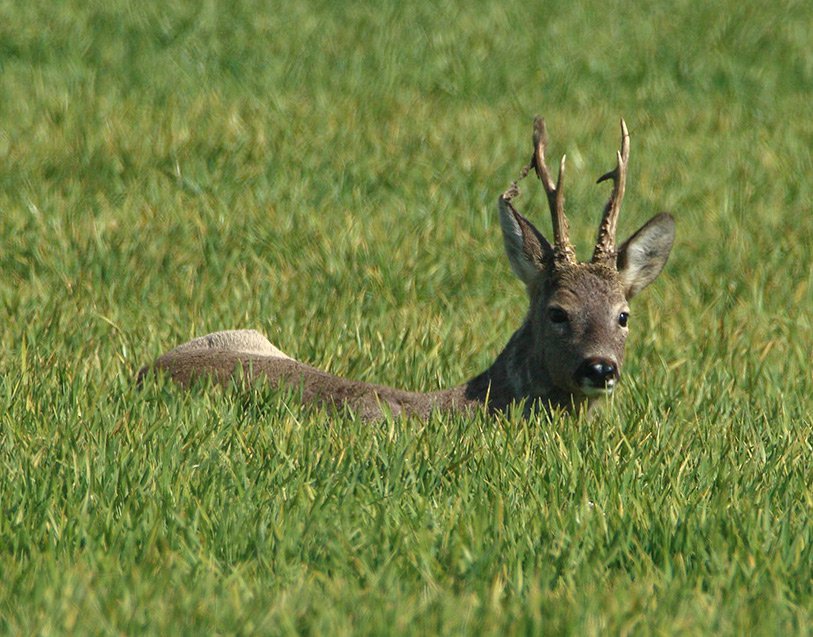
[247,356]
[567,353]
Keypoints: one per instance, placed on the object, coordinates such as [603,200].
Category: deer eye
[557,315]
[623,319]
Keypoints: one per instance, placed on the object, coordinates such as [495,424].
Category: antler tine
[605,243]
[562,248]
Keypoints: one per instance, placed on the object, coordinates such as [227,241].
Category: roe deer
[567,353]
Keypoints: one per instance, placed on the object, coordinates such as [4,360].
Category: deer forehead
[585,285]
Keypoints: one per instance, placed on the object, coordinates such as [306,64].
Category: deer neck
[519,374]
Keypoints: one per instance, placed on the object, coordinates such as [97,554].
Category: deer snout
[597,375]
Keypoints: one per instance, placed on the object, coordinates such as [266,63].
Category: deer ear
[528,251]
[642,257]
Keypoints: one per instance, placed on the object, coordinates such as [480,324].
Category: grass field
[327,173]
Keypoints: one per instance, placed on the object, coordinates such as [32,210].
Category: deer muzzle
[597,376]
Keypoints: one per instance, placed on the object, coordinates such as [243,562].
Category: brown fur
[369,401]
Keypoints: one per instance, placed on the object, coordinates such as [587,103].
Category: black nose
[597,372]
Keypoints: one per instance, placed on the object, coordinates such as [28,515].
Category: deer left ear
[642,257]
[528,251]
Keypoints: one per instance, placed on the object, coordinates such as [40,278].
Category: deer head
[578,318]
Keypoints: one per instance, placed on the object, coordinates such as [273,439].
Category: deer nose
[597,373]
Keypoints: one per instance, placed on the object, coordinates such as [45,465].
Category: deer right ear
[528,251]
[642,257]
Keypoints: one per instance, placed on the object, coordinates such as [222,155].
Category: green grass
[327,173]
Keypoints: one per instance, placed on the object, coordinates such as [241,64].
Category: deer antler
[563,251]
[605,243]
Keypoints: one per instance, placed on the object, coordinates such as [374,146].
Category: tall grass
[327,173]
